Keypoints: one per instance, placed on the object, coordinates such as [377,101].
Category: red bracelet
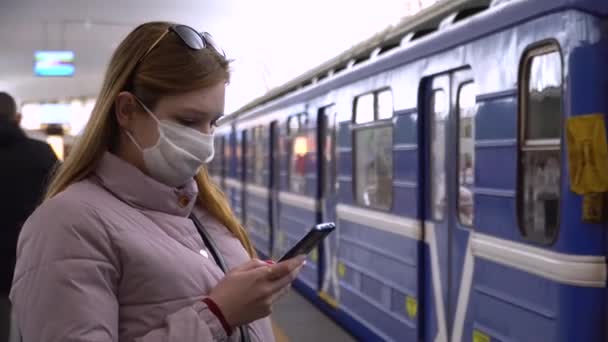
[218,313]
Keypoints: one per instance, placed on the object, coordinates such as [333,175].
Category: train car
[462,154]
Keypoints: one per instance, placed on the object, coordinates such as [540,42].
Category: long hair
[168,69]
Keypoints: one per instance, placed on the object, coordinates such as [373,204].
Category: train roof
[408,30]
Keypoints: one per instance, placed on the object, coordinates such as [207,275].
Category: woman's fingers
[282,269]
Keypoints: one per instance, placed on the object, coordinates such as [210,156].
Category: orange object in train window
[587,154]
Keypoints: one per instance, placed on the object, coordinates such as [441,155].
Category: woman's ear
[126,107]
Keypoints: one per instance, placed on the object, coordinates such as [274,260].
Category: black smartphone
[310,240]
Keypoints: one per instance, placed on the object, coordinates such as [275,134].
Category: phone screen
[310,240]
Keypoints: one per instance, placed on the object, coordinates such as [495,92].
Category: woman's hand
[247,292]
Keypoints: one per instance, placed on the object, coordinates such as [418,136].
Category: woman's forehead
[208,100]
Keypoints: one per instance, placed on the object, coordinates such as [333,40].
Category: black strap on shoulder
[219,260]
[211,246]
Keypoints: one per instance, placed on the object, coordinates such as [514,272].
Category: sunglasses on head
[193,39]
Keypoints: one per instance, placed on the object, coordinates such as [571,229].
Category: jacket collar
[129,184]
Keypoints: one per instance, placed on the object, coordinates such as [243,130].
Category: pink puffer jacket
[116,258]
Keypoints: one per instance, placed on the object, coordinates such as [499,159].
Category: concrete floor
[297,320]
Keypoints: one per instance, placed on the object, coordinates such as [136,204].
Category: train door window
[373,144]
[466,154]
[439,110]
[298,154]
[540,144]
[329,151]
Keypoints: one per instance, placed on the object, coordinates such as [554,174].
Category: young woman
[129,243]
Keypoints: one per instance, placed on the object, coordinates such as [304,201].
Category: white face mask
[178,154]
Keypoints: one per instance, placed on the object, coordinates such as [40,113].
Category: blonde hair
[170,68]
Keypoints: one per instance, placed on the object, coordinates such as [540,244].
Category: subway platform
[296,320]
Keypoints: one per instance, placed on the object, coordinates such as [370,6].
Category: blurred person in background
[133,241]
[25,166]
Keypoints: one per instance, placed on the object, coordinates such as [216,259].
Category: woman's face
[198,110]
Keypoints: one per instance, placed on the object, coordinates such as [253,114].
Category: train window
[215,165]
[466,155]
[303,120]
[330,149]
[227,158]
[297,163]
[299,146]
[293,124]
[374,151]
[296,123]
[257,146]
[240,154]
[385,104]
[364,109]
[374,167]
[220,156]
[540,144]
[439,110]
[250,156]
[544,101]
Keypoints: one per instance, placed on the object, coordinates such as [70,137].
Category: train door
[327,198]
[257,180]
[274,185]
[222,162]
[241,205]
[230,157]
[451,154]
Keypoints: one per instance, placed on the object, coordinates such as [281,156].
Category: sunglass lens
[212,43]
[190,37]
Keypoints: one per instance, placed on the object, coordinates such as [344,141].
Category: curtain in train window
[540,145]
[439,110]
[466,155]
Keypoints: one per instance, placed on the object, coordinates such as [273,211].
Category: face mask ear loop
[149,112]
[133,140]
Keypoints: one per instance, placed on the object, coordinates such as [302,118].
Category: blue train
[462,154]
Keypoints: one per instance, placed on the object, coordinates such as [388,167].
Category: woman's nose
[208,130]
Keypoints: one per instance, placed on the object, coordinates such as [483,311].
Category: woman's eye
[187,122]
